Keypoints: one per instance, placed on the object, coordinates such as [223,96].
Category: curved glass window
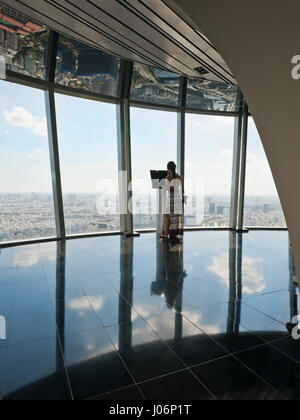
[262,204]
[207,95]
[154,86]
[23,43]
[26,199]
[82,67]
[153,145]
[89,164]
[208,173]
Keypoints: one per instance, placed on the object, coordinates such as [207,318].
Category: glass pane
[262,205]
[154,86]
[23,43]
[82,67]
[212,96]
[209,155]
[153,145]
[26,200]
[89,166]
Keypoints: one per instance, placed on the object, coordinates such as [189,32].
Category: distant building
[212,208]
[71,200]
[220,210]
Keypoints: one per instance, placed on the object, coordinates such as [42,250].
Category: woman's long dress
[175,207]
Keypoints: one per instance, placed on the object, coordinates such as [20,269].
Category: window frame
[123,103]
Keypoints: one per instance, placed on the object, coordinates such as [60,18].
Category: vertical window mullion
[53,137]
[124,147]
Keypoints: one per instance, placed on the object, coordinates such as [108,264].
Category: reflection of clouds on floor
[220,267]
[102,303]
[89,345]
[165,327]
[143,311]
[134,316]
[198,319]
[142,334]
[253,278]
[80,305]
[97,302]
[92,350]
[29,257]
[139,337]
[152,309]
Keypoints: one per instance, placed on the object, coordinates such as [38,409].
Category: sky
[87,133]
[24,156]
[88,145]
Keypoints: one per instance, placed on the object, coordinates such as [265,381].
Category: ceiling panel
[145,31]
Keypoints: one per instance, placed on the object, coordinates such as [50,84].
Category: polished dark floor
[134,319]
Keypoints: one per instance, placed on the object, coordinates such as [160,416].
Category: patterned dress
[175,207]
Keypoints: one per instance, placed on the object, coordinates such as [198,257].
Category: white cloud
[29,257]
[20,117]
[97,302]
[225,162]
[253,279]
[228,154]
[198,319]
[142,336]
[205,126]
[38,153]
[143,310]
[256,162]
[80,305]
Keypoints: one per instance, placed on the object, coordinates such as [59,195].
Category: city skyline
[23,131]
[87,136]
[24,216]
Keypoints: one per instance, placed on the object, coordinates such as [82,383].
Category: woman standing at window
[175,200]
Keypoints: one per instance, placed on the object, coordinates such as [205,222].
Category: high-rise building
[212,208]
[220,210]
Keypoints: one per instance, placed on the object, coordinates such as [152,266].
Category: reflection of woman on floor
[175,200]
[170,273]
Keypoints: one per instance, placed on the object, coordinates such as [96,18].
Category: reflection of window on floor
[262,205]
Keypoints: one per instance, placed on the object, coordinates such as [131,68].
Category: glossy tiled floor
[128,319]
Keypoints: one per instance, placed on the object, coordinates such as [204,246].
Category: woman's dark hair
[172,167]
